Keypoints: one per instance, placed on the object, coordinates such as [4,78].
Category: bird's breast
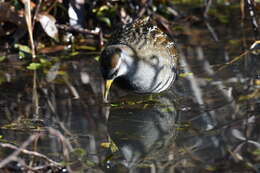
[150,76]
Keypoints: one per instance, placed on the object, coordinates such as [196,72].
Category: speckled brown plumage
[143,35]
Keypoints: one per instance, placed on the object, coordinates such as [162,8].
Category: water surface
[207,121]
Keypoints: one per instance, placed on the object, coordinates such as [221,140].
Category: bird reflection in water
[142,131]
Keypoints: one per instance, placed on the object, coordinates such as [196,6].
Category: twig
[14,155]
[72,89]
[28,17]
[67,148]
[79,30]
[252,15]
[32,153]
[36,12]
[233,60]
[52,6]
[211,30]
[35,95]
[29,168]
[66,144]
[242,8]
[101,38]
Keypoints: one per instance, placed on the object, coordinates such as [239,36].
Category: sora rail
[140,57]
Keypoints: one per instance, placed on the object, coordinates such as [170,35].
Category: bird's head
[111,64]
[110,61]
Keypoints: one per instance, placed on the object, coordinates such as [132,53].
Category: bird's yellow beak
[107,85]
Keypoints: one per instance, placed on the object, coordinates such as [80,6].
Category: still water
[207,121]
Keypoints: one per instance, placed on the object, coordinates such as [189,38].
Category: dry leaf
[48,24]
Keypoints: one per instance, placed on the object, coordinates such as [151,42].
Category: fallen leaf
[48,24]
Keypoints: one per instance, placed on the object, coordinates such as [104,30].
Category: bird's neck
[127,63]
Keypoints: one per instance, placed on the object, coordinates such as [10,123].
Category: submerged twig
[32,153]
[72,89]
[212,31]
[19,150]
[67,147]
[35,95]
[28,17]
[232,61]
[208,4]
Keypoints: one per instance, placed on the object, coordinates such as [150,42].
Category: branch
[22,149]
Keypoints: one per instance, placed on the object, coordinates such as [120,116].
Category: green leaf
[168,109]
[100,11]
[21,55]
[115,105]
[75,53]
[97,58]
[79,152]
[257,152]
[103,8]
[23,48]
[106,20]
[45,62]
[185,74]
[2,58]
[33,66]
[178,28]
[2,78]
[86,48]
[223,19]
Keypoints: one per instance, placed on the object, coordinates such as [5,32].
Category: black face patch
[109,61]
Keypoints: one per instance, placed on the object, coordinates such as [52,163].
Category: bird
[139,57]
